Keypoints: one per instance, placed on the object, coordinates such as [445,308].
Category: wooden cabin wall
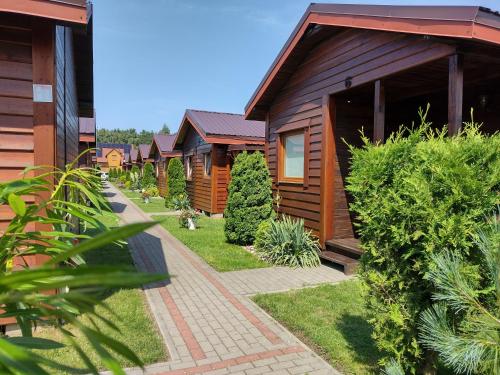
[360,54]
[67,133]
[162,175]
[221,174]
[199,188]
[16,104]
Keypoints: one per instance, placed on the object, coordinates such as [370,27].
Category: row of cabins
[206,142]
[344,67]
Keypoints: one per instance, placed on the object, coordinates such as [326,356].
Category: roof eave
[463,29]
[55,10]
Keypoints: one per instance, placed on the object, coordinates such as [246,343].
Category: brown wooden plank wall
[16,106]
[199,188]
[220,168]
[361,54]
[66,99]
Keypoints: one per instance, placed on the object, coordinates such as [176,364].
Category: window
[188,162]
[207,164]
[292,157]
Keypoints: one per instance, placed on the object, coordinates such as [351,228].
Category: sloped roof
[165,142]
[461,22]
[87,125]
[144,150]
[219,123]
[73,11]
[133,154]
[119,146]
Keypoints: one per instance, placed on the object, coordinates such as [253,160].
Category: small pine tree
[112,173]
[250,198]
[148,176]
[135,169]
[176,179]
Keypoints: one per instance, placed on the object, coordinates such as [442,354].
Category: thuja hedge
[418,194]
[148,176]
[250,198]
[176,180]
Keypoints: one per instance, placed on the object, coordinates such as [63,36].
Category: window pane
[294,156]
[208,164]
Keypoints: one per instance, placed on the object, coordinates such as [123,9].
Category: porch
[451,86]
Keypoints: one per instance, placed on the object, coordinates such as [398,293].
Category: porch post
[379,113]
[455,93]
[327,173]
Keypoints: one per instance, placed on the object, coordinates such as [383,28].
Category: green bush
[286,242]
[176,180]
[128,184]
[127,176]
[250,198]
[135,169]
[153,191]
[148,176]
[415,196]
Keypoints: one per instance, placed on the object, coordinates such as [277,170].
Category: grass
[332,320]
[209,242]
[132,317]
[156,204]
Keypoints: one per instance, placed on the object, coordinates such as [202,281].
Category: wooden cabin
[161,152]
[208,142]
[87,140]
[143,155]
[111,155]
[46,84]
[347,67]
[134,153]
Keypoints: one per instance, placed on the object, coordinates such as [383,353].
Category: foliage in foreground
[25,292]
[176,180]
[470,345]
[286,242]
[250,199]
[415,196]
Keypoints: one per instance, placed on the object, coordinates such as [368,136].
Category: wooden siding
[220,175]
[362,55]
[67,132]
[16,106]
[161,178]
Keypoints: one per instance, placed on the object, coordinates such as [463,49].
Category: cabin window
[207,164]
[292,156]
[188,162]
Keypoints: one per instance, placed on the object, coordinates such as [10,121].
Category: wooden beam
[213,180]
[379,113]
[455,93]
[327,173]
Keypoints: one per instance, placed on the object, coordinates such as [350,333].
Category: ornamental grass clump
[414,196]
[249,200]
[286,242]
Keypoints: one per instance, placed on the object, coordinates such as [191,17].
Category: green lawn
[139,332]
[332,320]
[131,194]
[209,242]
[156,204]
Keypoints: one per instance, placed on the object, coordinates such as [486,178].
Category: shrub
[123,178]
[148,176]
[153,191]
[187,214]
[135,169]
[127,176]
[415,196]
[128,184]
[286,242]
[250,198]
[135,181]
[180,202]
[176,180]
[261,233]
[472,346]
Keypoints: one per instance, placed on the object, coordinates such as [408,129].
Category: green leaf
[17,204]
[35,343]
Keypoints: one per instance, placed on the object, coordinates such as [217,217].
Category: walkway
[208,325]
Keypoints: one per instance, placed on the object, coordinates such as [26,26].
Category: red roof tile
[218,123]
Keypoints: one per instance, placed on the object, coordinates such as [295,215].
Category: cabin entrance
[380,108]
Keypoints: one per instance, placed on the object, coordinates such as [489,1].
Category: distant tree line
[130,136]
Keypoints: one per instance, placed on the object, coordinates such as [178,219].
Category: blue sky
[155,58]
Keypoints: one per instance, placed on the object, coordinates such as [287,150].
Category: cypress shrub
[250,198]
[112,173]
[416,196]
[148,176]
[135,169]
[176,180]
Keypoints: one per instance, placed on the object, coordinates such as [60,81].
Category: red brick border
[234,361]
[181,324]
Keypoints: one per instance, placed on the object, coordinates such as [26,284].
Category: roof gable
[460,22]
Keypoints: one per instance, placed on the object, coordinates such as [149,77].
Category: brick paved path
[208,325]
